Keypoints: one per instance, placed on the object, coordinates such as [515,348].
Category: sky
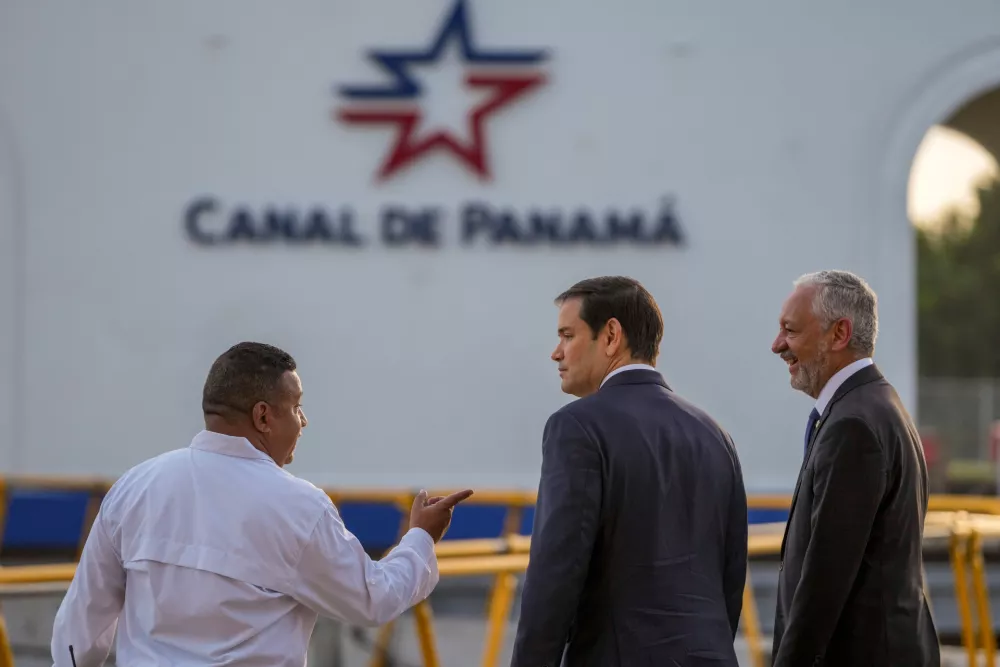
[945,172]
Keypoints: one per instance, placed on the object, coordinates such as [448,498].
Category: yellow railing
[969,531]
[507,557]
[963,522]
[504,584]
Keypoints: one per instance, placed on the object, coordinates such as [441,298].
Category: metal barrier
[503,558]
[969,531]
[94,487]
[504,584]
[964,523]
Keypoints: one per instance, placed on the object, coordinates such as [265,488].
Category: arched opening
[954,205]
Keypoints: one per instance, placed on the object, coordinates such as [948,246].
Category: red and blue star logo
[504,76]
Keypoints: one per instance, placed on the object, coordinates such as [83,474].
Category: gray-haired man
[850,583]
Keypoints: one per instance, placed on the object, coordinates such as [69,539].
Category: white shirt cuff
[421,540]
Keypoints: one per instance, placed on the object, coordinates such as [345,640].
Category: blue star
[456,26]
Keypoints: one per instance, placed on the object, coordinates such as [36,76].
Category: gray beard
[807,379]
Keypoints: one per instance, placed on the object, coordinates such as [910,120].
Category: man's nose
[778,346]
[557,353]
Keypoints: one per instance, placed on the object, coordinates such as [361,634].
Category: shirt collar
[833,384]
[628,367]
[227,445]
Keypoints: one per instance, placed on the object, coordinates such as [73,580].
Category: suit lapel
[802,469]
[864,376]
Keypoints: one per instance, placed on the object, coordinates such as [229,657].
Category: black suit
[850,586]
[639,548]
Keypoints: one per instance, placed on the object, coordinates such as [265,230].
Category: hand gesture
[434,514]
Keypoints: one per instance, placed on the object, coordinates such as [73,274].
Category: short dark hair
[626,300]
[243,375]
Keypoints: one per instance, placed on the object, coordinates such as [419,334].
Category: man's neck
[624,364]
[837,366]
[838,377]
[221,425]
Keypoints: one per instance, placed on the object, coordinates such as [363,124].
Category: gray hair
[841,294]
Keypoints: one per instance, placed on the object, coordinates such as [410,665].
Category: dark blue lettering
[626,228]
[348,234]
[280,224]
[206,223]
[193,221]
[476,219]
[318,227]
[424,227]
[505,229]
[395,227]
[241,227]
[545,226]
[583,228]
[401,227]
[271,224]
[667,226]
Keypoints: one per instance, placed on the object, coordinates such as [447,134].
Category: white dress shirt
[833,384]
[627,367]
[213,555]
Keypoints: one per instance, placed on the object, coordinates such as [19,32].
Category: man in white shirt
[214,554]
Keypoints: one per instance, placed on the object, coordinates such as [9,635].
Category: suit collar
[838,379]
[866,375]
[627,367]
[637,376]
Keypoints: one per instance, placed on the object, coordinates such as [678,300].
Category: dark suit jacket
[850,586]
[639,547]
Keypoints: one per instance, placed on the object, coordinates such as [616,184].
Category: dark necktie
[813,418]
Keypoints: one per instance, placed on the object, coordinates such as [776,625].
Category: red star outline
[506,90]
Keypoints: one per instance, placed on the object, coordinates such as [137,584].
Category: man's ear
[842,331]
[614,337]
[261,417]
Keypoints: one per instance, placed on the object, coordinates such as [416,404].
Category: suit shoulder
[572,415]
[581,411]
[872,403]
[660,403]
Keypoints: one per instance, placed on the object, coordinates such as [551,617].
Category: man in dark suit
[850,583]
[639,547]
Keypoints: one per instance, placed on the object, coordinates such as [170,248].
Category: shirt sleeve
[88,615]
[337,578]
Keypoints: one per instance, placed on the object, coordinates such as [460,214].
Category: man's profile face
[285,419]
[802,343]
[581,359]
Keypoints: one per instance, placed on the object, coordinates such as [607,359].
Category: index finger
[455,498]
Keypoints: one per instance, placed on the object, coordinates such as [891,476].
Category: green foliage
[958,293]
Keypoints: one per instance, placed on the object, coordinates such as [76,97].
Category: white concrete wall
[9,297]
[784,132]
